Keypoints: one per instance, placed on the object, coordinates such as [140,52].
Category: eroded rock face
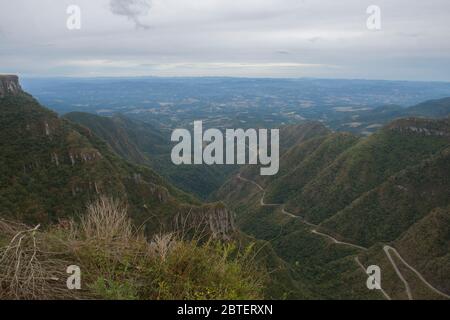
[424,127]
[9,85]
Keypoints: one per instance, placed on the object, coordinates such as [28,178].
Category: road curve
[334,240]
[407,288]
[339,242]
[314,231]
[379,284]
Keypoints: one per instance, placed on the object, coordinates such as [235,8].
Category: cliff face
[420,126]
[9,85]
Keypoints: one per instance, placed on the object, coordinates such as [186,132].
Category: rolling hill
[338,194]
[142,143]
[52,168]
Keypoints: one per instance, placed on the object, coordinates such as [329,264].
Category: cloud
[231,38]
[314,39]
[132,9]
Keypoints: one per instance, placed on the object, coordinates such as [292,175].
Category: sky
[245,38]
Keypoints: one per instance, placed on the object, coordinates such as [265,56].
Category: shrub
[118,262]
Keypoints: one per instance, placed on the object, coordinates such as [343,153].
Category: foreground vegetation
[118,262]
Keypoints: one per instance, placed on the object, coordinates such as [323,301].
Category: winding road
[379,284]
[386,248]
[283,210]
[418,274]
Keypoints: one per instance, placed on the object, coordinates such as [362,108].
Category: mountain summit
[9,85]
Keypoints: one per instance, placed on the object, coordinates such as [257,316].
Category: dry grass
[106,220]
[162,245]
[118,261]
[27,271]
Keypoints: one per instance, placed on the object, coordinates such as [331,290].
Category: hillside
[362,192]
[426,245]
[51,168]
[364,166]
[439,108]
[142,143]
[399,202]
[369,121]
[323,175]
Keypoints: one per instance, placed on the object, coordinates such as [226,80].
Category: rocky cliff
[9,85]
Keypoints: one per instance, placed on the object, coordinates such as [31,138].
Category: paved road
[407,288]
[263,204]
[334,240]
[379,284]
[337,241]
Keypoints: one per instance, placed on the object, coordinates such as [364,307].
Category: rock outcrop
[421,126]
[9,85]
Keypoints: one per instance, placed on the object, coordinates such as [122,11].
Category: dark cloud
[132,9]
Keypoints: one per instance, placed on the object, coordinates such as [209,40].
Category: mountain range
[341,202]
[340,196]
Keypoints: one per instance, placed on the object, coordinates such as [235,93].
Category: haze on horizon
[251,38]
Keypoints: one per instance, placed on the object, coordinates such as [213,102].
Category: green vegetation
[366,191]
[118,262]
[50,168]
[426,245]
[398,203]
[142,143]
[389,188]
[361,168]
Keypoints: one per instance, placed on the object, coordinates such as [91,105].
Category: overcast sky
[254,38]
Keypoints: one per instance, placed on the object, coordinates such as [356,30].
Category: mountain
[365,165]
[371,120]
[52,168]
[340,196]
[54,171]
[439,108]
[425,244]
[135,141]
[143,143]
[9,85]
[399,202]
[340,203]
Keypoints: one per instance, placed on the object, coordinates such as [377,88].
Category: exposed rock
[420,126]
[9,85]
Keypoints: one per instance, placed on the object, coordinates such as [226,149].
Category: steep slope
[133,140]
[367,192]
[300,170]
[369,121]
[291,136]
[426,245]
[51,168]
[367,164]
[9,85]
[384,213]
[142,143]
[439,108]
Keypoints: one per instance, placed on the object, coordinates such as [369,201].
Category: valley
[386,249]
[341,201]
